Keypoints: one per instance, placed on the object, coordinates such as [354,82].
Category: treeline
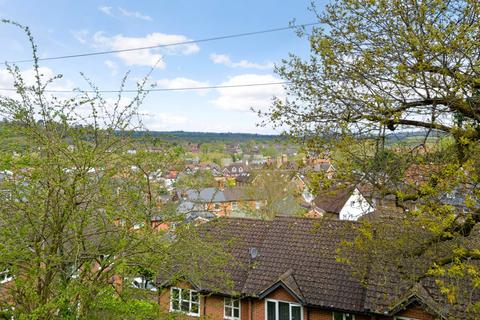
[208,136]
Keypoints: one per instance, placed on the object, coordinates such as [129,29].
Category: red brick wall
[416,312]
[319,314]
[211,308]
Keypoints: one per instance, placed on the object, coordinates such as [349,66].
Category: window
[258,205]
[281,310]
[185,300]
[234,205]
[343,316]
[231,310]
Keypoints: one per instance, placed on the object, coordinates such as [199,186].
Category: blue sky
[70,27]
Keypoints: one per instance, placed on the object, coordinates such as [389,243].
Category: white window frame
[189,313]
[258,205]
[344,314]
[230,299]
[276,308]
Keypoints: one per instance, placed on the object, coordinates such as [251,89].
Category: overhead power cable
[230,36]
[161,89]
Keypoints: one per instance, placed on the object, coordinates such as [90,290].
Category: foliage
[196,180]
[277,191]
[387,66]
[77,205]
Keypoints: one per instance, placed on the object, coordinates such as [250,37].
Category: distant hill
[413,137]
[207,136]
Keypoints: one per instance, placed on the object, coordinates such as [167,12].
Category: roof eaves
[419,295]
[281,284]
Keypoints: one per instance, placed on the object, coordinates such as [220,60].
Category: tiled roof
[303,247]
[333,199]
[300,255]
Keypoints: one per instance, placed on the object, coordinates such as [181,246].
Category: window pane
[296,313]
[236,313]
[349,316]
[271,307]
[337,316]
[236,303]
[283,311]
[228,311]
[195,296]
[175,305]
[175,294]
[194,308]
[175,299]
[185,294]
[185,306]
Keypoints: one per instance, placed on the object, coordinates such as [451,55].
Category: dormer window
[282,310]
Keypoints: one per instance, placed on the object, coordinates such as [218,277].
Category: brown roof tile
[303,247]
[300,254]
[333,199]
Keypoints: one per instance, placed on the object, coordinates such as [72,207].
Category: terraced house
[286,269]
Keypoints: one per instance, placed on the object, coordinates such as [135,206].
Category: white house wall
[355,207]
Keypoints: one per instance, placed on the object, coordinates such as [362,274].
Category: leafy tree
[197,180]
[378,67]
[277,192]
[76,210]
[270,151]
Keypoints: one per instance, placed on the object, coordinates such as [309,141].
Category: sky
[73,27]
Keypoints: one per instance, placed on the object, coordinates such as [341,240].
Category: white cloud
[181,82]
[112,66]
[163,121]
[244,98]
[106,10]
[134,14]
[225,60]
[147,57]
[6,81]
[80,35]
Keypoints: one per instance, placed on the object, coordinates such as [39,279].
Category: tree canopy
[76,207]
[377,67]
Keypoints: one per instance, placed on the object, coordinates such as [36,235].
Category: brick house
[285,269]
